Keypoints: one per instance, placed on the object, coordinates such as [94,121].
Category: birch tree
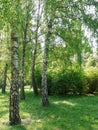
[48,21]
[11,16]
[14,116]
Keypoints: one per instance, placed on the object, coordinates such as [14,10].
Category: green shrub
[75,81]
[68,82]
[60,84]
[92,80]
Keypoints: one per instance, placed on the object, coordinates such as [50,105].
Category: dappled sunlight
[3,101]
[65,102]
[4,108]
[38,120]
[2,97]
[26,121]
[4,120]
[26,118]
[61,110]
[25,114]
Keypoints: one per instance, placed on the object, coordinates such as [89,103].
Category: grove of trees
[50,46]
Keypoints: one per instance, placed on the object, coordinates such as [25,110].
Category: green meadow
[64,113]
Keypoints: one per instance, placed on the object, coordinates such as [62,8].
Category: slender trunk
[4,80]
[14,116]
[35,89]
[22,91]
[45,100]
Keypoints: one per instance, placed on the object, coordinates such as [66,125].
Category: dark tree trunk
[22,92]
[35,88]
[4,80]
[14,116]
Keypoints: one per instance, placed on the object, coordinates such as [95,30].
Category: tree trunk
[14,116]
[45,100]
[35,89]
[22,92]
[4,80]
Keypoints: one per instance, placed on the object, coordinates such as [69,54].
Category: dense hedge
[70,82]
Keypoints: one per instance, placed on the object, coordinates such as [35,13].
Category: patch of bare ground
[26,121]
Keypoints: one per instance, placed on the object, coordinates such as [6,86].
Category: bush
[92,80]
[68,82]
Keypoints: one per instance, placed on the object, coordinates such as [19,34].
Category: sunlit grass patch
[63,113]
[64,102]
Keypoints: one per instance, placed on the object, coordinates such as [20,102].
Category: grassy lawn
[64,113]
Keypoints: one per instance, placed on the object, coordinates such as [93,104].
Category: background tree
[4,79]
[38,17]
[25,27]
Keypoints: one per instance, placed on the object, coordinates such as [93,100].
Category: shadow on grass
[63,113]
[18,127]
[3,113]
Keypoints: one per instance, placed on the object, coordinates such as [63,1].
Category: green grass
[64,113]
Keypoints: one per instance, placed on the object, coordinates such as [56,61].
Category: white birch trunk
[14,116]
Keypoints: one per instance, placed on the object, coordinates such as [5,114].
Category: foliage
[62,83]
[68,82]
[92,80]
